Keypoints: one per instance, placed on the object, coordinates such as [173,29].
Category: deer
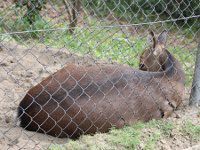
[85,99]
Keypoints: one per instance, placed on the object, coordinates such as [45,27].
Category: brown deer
[88,99]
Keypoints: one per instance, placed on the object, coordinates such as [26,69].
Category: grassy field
[146,136]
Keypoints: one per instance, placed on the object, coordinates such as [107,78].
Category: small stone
[29,74]
[177,116]
[11,61]
[7,119]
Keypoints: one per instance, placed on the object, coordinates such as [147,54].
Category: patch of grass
[96,142]
[158,129]
[56,147]
[152,140]
[26,31]
[192,130]
[103,44]
[165,127]
[138,136]
[128,137]
[187,60]
[74,145]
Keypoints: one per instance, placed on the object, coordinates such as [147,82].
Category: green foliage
[27,31]
[147,10]
[33,8]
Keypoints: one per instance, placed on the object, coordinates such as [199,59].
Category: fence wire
[76,67]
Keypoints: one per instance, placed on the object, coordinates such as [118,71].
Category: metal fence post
[195,91]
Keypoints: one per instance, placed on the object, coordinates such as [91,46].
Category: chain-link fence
[107,63]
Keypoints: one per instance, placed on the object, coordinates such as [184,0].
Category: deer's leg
[166,110]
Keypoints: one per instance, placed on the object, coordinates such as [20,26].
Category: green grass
[28,31]
[164,126]
[128,137]
[151,141]
[192,130]
[139,136]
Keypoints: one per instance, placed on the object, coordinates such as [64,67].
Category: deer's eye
[141,65]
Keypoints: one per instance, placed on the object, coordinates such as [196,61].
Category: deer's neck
[173,68]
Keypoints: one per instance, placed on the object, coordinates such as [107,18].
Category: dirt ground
[21,67]
[178,141]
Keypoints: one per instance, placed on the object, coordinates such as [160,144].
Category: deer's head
[154,57]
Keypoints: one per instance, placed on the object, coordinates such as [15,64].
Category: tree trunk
[73,13]
[195,92]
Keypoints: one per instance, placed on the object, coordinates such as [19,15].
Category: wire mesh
[98,64]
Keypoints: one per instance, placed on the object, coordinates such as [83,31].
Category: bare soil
[21,68]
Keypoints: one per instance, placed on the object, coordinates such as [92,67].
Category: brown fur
[87,99]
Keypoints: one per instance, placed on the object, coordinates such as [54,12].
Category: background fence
[38,37]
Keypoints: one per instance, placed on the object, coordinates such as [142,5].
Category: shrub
[146,9]
[33,8]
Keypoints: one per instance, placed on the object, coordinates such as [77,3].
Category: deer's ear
[161,42]
[162,38]
[151,38]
